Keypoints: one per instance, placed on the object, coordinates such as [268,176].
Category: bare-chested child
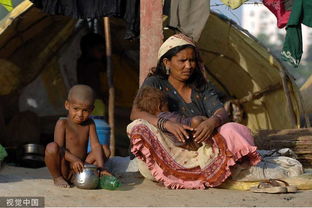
[154,101]
[68,153]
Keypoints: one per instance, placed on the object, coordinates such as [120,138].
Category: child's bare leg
[55,161]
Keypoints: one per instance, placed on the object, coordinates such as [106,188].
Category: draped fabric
[177,168]
[80,8]
[281,9]
[189,16]
[234,4]
[301,13]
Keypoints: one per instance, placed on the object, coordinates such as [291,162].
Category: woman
[178,74]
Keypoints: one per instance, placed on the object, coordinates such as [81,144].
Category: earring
[167,71]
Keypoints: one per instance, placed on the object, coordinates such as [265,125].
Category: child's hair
[150,99]
[83,93]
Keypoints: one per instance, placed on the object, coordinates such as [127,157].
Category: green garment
[204,102]
[301,13]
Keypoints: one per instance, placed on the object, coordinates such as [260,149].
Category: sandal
[274,186]
[267,187]
[279,182]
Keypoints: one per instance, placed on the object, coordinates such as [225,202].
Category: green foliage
[3,152]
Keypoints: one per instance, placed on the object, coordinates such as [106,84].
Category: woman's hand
[78,166]
[178,130]
[204,130]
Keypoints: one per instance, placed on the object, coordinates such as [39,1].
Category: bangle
[218,117]
[161,124]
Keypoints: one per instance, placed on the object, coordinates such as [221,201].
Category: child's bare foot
[60,182]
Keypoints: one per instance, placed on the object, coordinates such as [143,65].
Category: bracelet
[218,117]
[161,124]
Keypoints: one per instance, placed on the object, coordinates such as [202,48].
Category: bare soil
[135,191]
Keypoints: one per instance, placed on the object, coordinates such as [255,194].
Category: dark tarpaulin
[91,9]
[80,9]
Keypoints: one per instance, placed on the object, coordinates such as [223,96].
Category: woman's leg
[240,141]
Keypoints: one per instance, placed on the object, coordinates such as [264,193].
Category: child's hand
[78,166]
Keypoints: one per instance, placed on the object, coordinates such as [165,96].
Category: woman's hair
[197,79]
[150,99]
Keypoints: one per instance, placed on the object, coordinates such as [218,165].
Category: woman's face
[182,65]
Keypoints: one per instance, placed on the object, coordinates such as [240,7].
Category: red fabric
[233,141]
[277,7]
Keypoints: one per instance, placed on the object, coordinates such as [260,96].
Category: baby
[68,153]
[155,102]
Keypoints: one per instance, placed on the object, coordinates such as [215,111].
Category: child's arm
[96,147]
[59,139]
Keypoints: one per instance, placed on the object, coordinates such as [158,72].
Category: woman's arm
[220,116]
[138,114]
[175,128]
[206,128]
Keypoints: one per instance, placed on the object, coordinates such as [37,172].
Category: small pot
[33,149]
[88,178]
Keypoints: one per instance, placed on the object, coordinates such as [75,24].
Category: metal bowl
[88,178]
[33,149]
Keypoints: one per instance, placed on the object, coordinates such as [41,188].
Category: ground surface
[135,191]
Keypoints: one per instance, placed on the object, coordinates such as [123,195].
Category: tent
[240,66]
[237,64]
[306,92]
[40,53]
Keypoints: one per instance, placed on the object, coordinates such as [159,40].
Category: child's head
[151,100]
[80,103]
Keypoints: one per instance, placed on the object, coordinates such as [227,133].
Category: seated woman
[179,75]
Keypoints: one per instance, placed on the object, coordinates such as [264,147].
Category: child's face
[78,112]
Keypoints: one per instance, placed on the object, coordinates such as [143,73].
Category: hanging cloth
[132,17]
[80,9]
[234,4]
[301,13]
[281,9]
[8,5]
[189,16]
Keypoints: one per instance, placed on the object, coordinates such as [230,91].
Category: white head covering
[174,41]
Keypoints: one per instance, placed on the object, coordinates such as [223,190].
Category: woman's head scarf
[174,41]
[179,40]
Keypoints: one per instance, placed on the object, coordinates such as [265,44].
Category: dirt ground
[135,191]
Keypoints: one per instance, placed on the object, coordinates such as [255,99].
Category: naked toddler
[68,153]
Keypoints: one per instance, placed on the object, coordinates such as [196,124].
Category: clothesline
[255,3]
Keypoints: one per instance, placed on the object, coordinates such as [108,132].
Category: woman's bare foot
[60,182]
